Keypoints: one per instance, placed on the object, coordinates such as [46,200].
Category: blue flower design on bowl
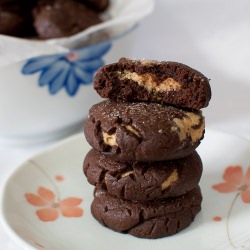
[68,70]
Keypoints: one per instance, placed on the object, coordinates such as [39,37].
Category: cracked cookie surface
[143,180]
[154,219]
[162,82]
[143,131]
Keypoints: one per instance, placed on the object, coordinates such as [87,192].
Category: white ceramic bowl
[47,95]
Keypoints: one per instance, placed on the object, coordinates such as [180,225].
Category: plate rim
[4,221]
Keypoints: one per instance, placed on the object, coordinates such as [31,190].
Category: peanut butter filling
[185,126]
[171,179]
[148,81]
[132,130]
[109,139]
[127,173]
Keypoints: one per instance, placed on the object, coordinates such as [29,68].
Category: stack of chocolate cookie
[143,162]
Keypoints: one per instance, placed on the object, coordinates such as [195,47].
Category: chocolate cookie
[14,24]
[15,18]
[154,219]
[49,18]
[162,82]
[16,5]
[97,5]
[143,131]
[143,180]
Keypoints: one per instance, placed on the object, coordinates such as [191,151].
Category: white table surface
[212,36]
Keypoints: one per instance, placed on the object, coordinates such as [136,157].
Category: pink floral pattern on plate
[234,181]
[52,207]
[50,204]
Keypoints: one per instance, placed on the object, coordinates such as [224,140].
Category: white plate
[223,222]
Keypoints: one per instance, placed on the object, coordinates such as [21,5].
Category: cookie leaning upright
[147,80]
